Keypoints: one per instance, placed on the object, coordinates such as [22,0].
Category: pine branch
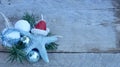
[29,18]
[16,53]
[53,45]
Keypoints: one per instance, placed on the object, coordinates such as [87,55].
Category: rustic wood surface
[80,22]
[69,60]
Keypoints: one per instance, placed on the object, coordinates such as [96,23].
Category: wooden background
[74,20]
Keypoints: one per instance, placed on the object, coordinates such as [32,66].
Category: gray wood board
[83,27]
[66,4]
[69,60]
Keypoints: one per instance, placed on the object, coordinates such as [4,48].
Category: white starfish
[38,42]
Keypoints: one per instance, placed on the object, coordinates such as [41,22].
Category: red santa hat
[40,28]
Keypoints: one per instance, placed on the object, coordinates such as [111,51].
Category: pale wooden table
[80,22]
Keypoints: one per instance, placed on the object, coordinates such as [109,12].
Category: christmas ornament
[40,28]
[39,41]
[11,33]
[19,36]
[41,25]
[33,56]
[10,37]
[22,25]
[25,39]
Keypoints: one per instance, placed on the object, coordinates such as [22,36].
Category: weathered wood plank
[66,4]
[69,60]
[83,30]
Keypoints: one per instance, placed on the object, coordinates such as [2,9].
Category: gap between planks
[66,52]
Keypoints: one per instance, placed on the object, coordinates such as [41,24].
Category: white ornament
[9,33]
[10,37]
[13,35]
[22,25]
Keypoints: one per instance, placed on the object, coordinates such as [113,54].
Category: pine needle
[16,54]
[30,18]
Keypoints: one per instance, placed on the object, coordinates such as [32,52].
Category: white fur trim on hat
[42,32]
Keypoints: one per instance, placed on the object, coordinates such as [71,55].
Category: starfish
[38,42]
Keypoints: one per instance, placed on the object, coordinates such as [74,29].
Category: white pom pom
[22,25]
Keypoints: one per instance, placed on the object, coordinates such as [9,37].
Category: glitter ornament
[33,56]
[25,39]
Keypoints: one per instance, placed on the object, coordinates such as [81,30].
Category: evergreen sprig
[30,18]
[51,46]
[16,53]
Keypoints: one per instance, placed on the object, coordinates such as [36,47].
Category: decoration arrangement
[28,39]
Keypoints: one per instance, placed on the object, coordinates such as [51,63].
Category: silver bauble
[25,39]
[33,56]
